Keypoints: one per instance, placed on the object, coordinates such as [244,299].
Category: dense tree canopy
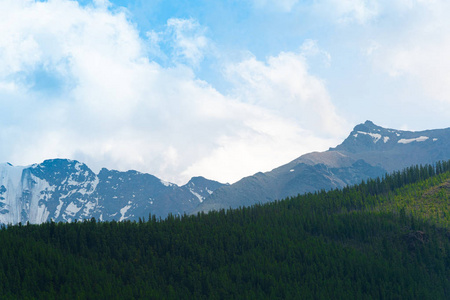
[385,238]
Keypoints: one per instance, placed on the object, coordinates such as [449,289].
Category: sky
[215,88]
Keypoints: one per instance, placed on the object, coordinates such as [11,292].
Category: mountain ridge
[67,190]
[369,151]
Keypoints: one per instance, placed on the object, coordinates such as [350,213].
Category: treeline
[375,193]
[362,242]
[398,179]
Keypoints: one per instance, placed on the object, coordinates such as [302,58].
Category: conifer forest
[386,238]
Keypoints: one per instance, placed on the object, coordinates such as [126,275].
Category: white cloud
[189,39]
[283,85]
[416,49]
[76,82]
[310,48]
[268,142]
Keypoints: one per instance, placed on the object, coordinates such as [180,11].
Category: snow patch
[72,209]
[58,208]
[419,139]
[376,136]
[37,210]
[78,166]
[84,190]
[434,140]
[17,182]
[385,139]
[123,211]
[166,183]
[94,185]
[88,208]
[200,198]
[42,214]
[291,170]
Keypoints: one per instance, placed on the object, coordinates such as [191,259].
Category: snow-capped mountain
[369,151]
[66,190]
[395,149]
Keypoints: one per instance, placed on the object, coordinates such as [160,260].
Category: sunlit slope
[428,199]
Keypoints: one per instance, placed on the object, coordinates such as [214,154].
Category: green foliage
[383,239]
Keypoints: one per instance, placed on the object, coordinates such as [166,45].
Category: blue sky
[221,89]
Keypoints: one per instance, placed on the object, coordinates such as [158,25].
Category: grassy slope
[428,200]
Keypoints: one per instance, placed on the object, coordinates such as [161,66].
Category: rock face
[369,151]
[66,190]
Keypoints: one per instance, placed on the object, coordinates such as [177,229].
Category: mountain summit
[369,151]
[395,149]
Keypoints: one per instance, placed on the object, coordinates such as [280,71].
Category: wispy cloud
[188,40]
[354,11]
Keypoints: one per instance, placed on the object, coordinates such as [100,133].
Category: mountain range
[369,151]
[67,190]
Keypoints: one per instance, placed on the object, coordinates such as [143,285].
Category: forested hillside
[386,238]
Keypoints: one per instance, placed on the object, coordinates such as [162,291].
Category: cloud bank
[77,82]
[87,82]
